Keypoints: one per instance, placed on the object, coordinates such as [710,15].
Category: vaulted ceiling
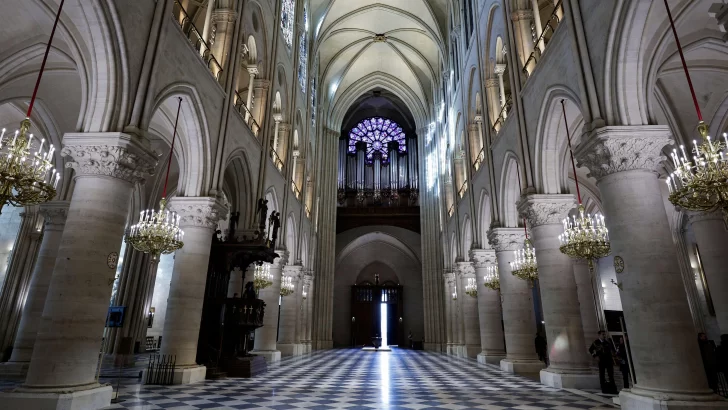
[400,42]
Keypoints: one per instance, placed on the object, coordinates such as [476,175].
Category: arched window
[303,53]
[377,133]
[288,21]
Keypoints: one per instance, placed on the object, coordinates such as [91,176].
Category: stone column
[493,348]
[469,306]
[492,92]
[252,71]
[449,278]
[198,219]
[206,26]
[668,365]
[265,337]
[524,38]
[14,290]
[458,317]
[307,310]
[589,306]
[500,69]
[568,360]
[62,372]
[55,214]
[288,335]
[519,321]
[224,21]
[260,99]
[537,24]
[711,237]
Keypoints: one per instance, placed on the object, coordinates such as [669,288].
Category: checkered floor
[353,379]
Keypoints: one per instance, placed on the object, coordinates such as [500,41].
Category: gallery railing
[194,36]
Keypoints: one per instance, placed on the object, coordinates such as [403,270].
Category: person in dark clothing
[542,348]
[603,349]
[623,361]
[710,360]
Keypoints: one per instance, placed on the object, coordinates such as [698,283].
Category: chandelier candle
[491,279]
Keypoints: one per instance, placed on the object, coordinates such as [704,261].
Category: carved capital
[200,212]
[55,213]
[253,71]
[224,16]
[261,85]
[500,69]
[284,127]
[525,14]
[114,155]
[714,217]
[506,239]
[545,209]
[449,277]
[492,83]
[609,150]
[478,119]
[282,259]
[294,271]
[465,269]
[482,258]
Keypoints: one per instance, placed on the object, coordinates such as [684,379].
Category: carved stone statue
[276,223]
[262,212]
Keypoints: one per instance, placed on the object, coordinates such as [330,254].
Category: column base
[291,349]
[521,366]
[14,369]
[433,347]
[185,375]
[494,359]
[88,399]
[570,379]
[270,356]
[629,400]
[471,351]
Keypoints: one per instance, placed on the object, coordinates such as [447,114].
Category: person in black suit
[603,349]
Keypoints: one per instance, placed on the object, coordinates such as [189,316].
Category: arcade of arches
[407,148]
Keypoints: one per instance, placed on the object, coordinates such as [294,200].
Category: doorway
[376,311]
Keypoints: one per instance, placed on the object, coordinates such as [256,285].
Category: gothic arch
[509,191]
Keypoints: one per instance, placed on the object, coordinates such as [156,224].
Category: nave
[355,379]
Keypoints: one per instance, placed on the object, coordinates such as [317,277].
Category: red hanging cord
[571,152]
[171,149]
[685,66]
[45,58]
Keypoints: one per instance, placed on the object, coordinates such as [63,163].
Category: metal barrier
[160,370]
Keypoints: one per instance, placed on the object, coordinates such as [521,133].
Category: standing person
[710,360]
[623,361]
[603,349]
[542,348]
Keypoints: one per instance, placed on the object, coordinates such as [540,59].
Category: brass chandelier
[26,177]
[524,265]
[471,288]
[158,232]
[491,279]
[699,181]
[585,236]
[262,278]
[287,286]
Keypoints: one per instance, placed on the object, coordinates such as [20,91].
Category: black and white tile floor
[354,380]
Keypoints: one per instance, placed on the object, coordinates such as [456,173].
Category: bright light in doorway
[383,326]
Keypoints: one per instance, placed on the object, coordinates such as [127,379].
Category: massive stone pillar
[492,341]
[469,309]
[307,311]
[589,305]
[711,237]
[289,339]
[14,289]
[62,372]
[492,92]
[668,366]
[519,321]
[198,220]
[54,214]
[568,360]
[265,337]
[449,279]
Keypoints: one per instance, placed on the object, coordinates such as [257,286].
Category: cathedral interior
[363,204]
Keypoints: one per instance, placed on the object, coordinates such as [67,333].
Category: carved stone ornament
[55,212]
[618,264]
[492,83]
[380,38]
[224,16]
[203,212]
[113,155]
[465,269]
[609,150]
[714,217]
[525,14]
[294,271]
[545,209]
[449,277]
[506,239]
[482,258]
